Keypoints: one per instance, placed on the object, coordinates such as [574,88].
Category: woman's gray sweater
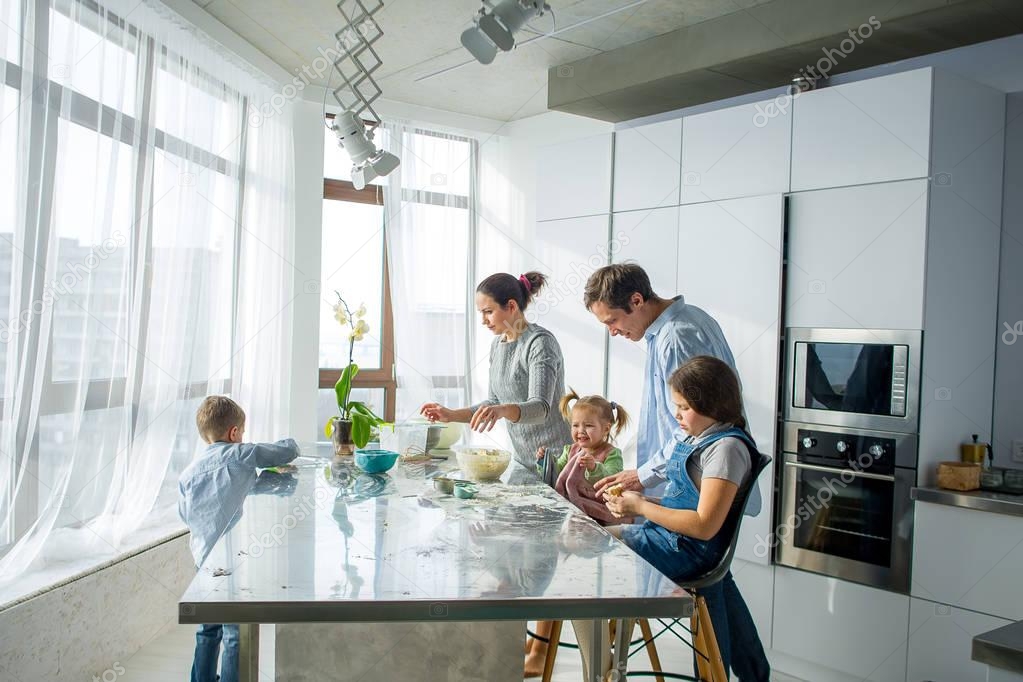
[530,372]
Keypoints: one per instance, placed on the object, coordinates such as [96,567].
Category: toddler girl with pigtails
[591,455]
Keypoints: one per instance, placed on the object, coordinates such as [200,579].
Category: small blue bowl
[375,461]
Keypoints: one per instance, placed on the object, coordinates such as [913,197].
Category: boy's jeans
[207,646]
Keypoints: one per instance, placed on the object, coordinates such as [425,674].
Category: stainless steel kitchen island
[330,545]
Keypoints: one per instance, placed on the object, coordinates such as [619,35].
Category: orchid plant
[362,418]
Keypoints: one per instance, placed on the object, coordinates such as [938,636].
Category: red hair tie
[525,283]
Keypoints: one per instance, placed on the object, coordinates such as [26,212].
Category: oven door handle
[839,472]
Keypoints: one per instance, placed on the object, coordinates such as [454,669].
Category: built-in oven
[859,378]
[845,508]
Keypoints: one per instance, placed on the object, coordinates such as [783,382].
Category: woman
[527,371]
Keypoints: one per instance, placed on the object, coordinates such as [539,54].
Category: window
[353,262]
[8,211]
[436,196]
[141,231]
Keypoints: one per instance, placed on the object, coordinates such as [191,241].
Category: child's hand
[628,504]
[587,462]
[540,452]
[436,412]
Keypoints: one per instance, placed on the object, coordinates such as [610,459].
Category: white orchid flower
[361,312]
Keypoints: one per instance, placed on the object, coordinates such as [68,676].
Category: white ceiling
[421,41]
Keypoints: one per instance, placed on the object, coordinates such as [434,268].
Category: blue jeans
[207,647]
[682,559]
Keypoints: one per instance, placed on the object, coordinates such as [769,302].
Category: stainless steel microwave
[858,378]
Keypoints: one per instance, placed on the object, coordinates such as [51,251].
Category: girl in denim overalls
[681,536]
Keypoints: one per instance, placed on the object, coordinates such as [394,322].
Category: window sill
[57,574]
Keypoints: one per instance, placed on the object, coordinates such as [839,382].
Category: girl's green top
[611,465]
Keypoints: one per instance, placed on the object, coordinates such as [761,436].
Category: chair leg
[699,648]
[716,665]
[552,651]
[651,648]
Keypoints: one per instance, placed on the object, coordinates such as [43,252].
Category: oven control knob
[876,450]
[841,446]
[809,442]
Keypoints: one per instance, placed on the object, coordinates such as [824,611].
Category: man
[620,296]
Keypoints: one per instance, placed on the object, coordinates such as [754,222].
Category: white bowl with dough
[482,464]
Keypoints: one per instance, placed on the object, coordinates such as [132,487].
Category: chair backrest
[731,529]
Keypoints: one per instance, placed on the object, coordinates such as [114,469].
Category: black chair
[709,664]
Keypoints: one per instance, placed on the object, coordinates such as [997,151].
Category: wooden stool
[648,644]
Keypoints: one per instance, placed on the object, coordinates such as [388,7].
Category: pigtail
[621,418]
[565,406]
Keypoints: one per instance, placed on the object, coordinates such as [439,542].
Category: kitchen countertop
[980,500]
[1001,648]
[329,543]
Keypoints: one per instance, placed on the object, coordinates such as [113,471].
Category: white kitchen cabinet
[856,257]
[574,178]
[756,583]
[646,165]
[999,675]
[650,238]
[736,152]
[941,642]
[869,131]
[857,630]
[569,251]
[969,559]
[729,264]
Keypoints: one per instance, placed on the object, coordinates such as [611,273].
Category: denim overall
[680,558]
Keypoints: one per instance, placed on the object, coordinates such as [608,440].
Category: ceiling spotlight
[496,29]
[368,163]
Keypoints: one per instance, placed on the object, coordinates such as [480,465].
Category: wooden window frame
[382,377]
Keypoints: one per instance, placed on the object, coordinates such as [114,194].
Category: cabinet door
[840,625]
[736,152]
[856,257]
[650,238]
[730,265]
[967,558]
[568,251]
[646,168]
[573,178]
[941,642]
[869,131]
[756,583]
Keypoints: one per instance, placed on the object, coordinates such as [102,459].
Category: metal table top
[331,544]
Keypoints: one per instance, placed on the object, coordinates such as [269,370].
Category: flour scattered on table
[219,572]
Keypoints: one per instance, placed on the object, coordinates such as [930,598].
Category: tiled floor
[168,658]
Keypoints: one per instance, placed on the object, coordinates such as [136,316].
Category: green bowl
[465,491]
[375,461]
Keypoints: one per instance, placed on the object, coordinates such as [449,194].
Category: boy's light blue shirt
[213,487]
[679,333]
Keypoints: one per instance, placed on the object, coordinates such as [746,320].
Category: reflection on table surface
[329,536]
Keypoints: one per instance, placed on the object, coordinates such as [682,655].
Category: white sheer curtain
[144,263]
[429,224]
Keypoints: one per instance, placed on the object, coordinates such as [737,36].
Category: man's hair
[614,285]
[216,416]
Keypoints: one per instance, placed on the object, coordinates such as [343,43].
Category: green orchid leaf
[343,388]
[360,429]
[363,409]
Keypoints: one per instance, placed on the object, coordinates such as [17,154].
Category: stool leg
[717,666]
[700,654]
[552,651]
[651,648]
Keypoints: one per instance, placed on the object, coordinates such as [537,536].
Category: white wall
[1008,405]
